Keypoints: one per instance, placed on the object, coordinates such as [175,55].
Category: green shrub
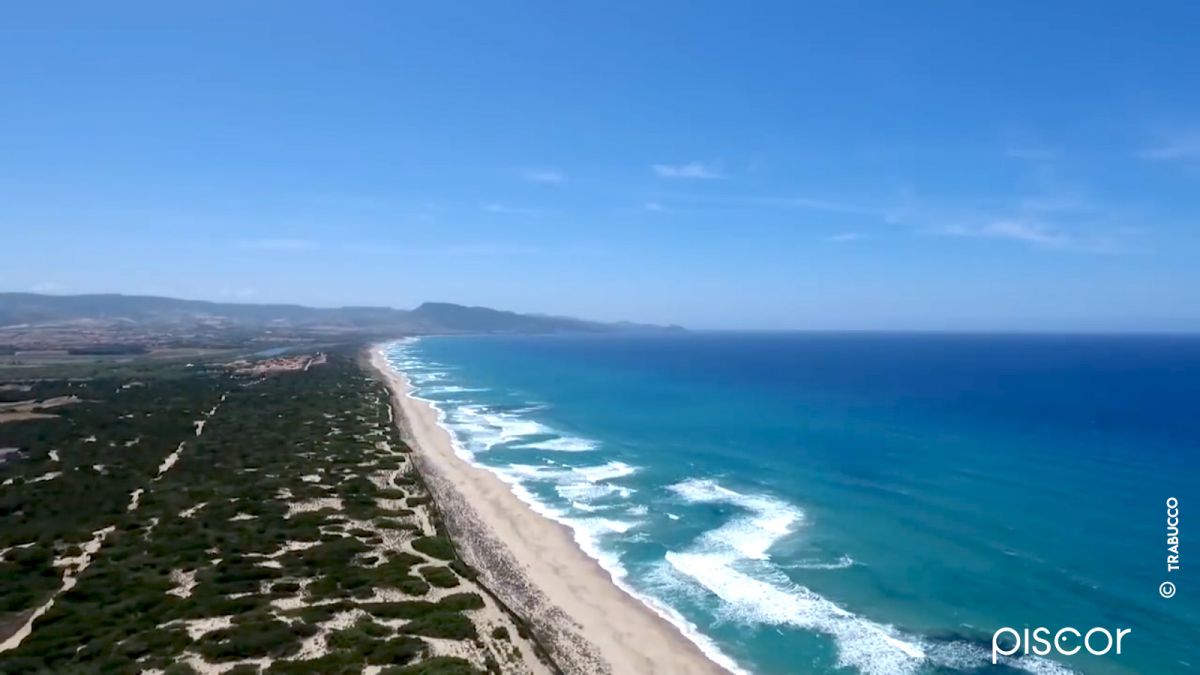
[400,610]
[392,524]
[436,546]
[352,638]
[439,576]
[458,602]
[464,570]
[249,640]
[447,625]
[319,613]
[412,586]
[396,651]
[170,641]
[334,663]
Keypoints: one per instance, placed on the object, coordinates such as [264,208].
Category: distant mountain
[463,319]
[151,311]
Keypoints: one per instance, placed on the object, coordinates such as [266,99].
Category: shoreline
[589,622]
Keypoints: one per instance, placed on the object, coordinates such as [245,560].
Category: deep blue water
[855,502]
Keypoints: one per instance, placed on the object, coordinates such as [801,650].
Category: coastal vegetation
[188,518]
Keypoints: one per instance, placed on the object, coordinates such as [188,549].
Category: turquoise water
[827,503]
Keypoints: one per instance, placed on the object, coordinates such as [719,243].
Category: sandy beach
[533,564]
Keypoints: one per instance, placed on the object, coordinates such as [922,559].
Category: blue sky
[941,165]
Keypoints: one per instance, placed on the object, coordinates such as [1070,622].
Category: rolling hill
[32,309]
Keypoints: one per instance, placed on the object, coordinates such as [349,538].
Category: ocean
[842,503]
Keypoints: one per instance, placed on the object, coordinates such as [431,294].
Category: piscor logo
[1066,641]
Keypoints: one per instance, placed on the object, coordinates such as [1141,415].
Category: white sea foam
[481,429]
[589,492]
[427,376]
[587,533]
[866,646]
[453,389]
[590,474]
[716,562]
[605,471]
[531,408]
[582,484]
[563,444]
[617,526]
[732,562]
[512,427]
[752,536]
[839,564]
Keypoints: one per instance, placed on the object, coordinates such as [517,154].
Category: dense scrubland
[193,518]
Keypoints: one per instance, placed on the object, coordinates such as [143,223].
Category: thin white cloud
[834,207]
[1059,203]
[653,206]
[845,237]
[48,287]
[1025,145]
[478,249]
[1179,147]
[546,176]
[1016,230]
[1031,153]
[694,170]
[788,202]
[277,244]
[1062,220]
[505,209]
